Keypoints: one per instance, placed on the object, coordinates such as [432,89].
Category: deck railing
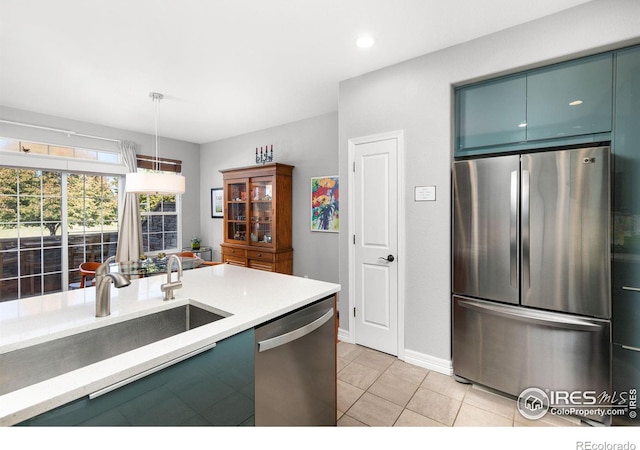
[33,265]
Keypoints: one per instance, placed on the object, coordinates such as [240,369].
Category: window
[35,235]
[17,146]
[159,218]
[35,257]
[30,232]
[159,214]
[92,220]
[53,220]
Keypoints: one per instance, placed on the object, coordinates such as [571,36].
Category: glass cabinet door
[261,195]
[236,210]
[492,113]
[570,99]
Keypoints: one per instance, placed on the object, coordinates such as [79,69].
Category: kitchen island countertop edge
[246,297]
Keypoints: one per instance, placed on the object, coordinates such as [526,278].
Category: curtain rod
[58,130]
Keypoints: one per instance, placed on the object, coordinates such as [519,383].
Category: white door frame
[399,135]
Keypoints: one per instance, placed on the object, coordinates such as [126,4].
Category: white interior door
[376,243]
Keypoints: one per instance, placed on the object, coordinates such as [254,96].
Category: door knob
[389,258]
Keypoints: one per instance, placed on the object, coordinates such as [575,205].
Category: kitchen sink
[30,365]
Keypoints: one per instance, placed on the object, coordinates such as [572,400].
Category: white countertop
[250,296]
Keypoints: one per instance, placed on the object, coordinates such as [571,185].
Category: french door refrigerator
[531,270]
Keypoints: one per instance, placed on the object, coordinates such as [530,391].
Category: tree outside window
[32,226]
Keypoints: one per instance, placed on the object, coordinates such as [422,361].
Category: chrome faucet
[103,269]
[103,291]
[170,286]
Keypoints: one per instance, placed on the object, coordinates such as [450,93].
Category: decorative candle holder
[266,157]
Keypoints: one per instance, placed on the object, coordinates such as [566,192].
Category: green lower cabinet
[626,382]
[213,388]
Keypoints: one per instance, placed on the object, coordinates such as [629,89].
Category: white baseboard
[343,335]
[440,365]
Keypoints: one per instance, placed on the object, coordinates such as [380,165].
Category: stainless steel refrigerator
[531,270]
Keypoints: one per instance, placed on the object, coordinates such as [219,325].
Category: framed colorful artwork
[325,202]
[217,208]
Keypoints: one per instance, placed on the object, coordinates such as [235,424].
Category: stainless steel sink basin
[30,365]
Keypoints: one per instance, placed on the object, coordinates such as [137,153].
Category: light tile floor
[377,389]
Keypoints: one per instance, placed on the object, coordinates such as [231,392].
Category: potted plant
[195,243]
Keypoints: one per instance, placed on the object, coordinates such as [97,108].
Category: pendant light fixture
[155,182]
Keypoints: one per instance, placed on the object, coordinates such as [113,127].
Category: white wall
[187,152]
[417,96]
[312,147]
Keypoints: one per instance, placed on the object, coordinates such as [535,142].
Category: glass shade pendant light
[155,182]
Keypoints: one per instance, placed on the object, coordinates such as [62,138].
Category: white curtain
[130,230]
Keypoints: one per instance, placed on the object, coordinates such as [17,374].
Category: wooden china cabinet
[257,217]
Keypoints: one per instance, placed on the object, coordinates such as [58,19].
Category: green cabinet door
[213,388]
[625,321]
[626,146]
[626,379]
[491,114]
[626,200]
[570,99]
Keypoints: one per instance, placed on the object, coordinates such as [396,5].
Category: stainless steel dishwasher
[295,368]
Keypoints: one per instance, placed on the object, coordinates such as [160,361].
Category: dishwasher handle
[291,336]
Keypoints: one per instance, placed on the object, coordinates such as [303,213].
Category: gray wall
[187,152]
[312,147]
[416,96]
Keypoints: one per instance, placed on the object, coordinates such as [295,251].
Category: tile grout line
[345,413]
[364,390]
[417,387]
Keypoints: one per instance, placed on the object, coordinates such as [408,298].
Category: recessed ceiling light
[575,103]
[365,41]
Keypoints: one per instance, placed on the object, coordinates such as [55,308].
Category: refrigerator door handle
[537,317]
[513,230]
[525,230]
[631,288]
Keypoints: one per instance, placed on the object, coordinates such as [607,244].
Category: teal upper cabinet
[570,99]
[627,142]
[491,113]
[564,104]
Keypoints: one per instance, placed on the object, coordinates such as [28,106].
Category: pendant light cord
[156,106]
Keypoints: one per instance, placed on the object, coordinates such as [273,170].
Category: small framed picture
[325,200]
[217,206]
